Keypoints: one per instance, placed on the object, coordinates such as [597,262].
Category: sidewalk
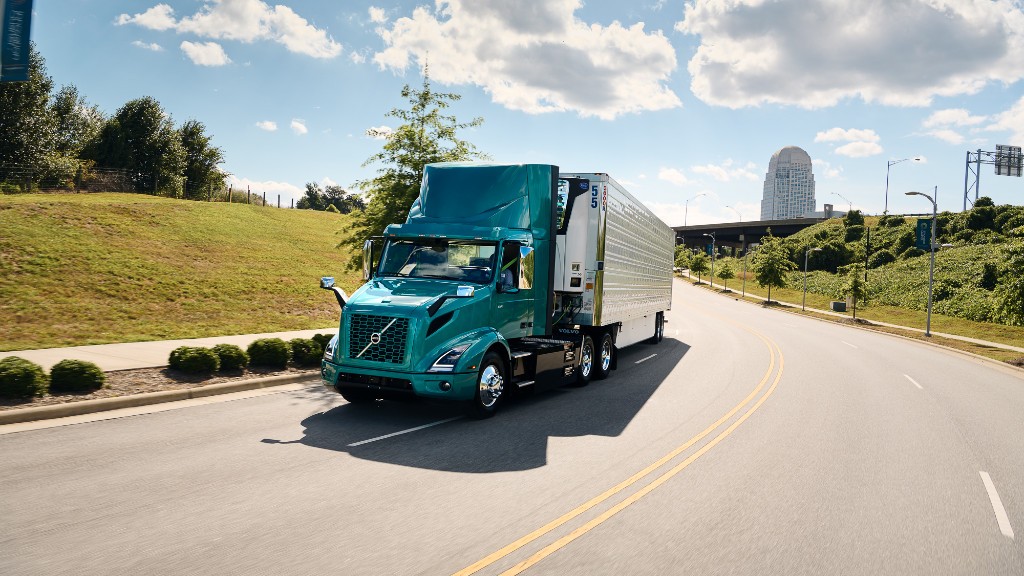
[877,322]
[131,355]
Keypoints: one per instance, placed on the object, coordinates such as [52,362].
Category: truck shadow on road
[515,439]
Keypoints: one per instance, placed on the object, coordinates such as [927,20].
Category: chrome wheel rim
[587,360]
[606,355]
[491,384]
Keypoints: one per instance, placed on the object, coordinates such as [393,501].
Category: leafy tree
[700,264]
[425,135]
[1009,291]
[770,264]
[313,199]
[141,138]
[853,218]
[682,259]
[201,160]
[343,201]
[76,122]
[853,285]
[26,123]
[726,273]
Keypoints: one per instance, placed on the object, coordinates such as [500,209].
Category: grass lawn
[99,268]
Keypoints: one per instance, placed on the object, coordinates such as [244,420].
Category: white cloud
[377,15]
[859,149]
[952,117]
[536,56]
[299,127]
[245,21]
[947,135]
[159,17]
[673,176]
[268,125]
[726,172]
[154,47]
[205,53]
[824,168]
[1011,121]
[357,57]
[287,191]
[380,132]
[816,54]
[842,135]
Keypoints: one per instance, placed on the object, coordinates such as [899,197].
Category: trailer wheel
[659,328]
[490,384]
[354,396]
[588,361]
[606,353]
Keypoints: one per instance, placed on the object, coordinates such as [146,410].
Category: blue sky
[682,102]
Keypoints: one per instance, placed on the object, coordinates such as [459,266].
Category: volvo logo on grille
[375,338]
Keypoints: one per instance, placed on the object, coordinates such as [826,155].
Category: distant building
[788,186]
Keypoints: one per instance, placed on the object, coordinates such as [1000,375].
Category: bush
[194,360]
[76,376]
[231,357]
[305,351]
[323,340]
[881,258]
[854,233]
[20,378]
[269,353]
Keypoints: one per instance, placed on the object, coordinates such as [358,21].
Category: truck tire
[353,396]
[605,355]
[490,383]
[659,328]
[588,362]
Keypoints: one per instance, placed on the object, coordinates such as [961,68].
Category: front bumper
[389,384]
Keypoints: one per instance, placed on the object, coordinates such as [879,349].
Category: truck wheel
[353,396]
[588,362]
[604,358]
[490,383]
[659,328]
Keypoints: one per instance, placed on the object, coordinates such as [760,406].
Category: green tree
[682,259]
[700,264]
[26,123]
[343,201]
[201,160]
[770,264]
[853,285]
[853,218]
[313,199]
[425,135]
[76,122]
[1009,292]
[726,273]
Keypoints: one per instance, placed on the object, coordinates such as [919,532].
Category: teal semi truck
[504,277]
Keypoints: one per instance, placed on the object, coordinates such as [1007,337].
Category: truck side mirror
[367,259]
[327,283]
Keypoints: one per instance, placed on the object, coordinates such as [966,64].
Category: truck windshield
[461,260]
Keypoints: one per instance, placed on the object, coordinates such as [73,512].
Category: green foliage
[332,209]
[425,135]
[27,129]
[770,264]
[700,263]
[20,378]
[1009,291]
[853,218]
[194,360]
[881,258]
[76,376]
[201,161]
[726,272]
[854,233]
[269,353]
[323,340]
[682,257]
[76,122]
[305,351]
[231,357]
[853,285]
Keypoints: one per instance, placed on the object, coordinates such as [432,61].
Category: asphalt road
[748,442]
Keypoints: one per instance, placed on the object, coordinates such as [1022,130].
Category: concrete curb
[103,404]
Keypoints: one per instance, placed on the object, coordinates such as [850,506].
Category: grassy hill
[100,268]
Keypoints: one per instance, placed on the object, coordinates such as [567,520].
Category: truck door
[513,302]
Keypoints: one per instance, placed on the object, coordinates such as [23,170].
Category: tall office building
[788,186]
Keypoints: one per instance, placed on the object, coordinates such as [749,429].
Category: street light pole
[686,209]
[740,216]
[712,236]
[889,165]
[931,266]
[847,201]
[806,254]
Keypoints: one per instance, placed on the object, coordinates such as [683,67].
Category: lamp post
[686,209]
[806,255]
[889,165]
[931,266]
[738,215]
[712,236]
[847,201]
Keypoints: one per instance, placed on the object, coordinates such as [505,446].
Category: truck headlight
[329,351]
[448,360]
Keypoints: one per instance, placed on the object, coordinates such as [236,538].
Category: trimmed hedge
[305,352]
[269,353]
[323,340]
[76,376]
[231,357]
[20,378]
[194,360]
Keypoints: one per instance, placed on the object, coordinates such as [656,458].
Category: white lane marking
[645,359]
[997,506]
[848,344]
[914,382]
[400,432]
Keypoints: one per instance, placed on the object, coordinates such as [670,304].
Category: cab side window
[509,271]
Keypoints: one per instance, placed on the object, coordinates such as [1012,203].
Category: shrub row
[264,353]
[20,378]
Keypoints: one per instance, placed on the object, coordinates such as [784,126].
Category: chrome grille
[389,344]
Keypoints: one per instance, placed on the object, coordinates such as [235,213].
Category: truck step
[525,383]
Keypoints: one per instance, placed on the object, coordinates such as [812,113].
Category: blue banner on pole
[15,22]
[923,234]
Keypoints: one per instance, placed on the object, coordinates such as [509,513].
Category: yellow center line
[523,541]
[563,541]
